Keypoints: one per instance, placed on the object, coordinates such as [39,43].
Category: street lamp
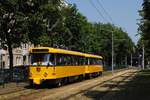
[112,63]
[131,60]
[112,50]
[143,55]
[140,56]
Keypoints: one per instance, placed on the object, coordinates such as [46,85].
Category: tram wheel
[31,83]
[100,74]
[58,83]
[80,77]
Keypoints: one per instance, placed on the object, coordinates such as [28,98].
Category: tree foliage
[51,23]
[27,20]
[12,26]
[144,27]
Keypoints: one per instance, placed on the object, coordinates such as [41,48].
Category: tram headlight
[38,69]
[30,74]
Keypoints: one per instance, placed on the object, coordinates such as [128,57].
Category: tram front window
[42,59]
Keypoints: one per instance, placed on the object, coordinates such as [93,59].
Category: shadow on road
[137,88]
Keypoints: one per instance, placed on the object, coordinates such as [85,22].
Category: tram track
[103,90]
[58,93]
[94,86]
[10,95]
[71,90]
[17,91]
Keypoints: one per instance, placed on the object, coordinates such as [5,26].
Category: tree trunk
[10,60]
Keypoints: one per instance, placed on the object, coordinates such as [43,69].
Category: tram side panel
[64,66]
[66,71]
[94,65]
[40,73]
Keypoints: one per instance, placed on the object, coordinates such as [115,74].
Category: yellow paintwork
[93,68]
[62,51]
[61,71]
[54,72]
[40,75]
[93,56]
[55,50]
[37,81]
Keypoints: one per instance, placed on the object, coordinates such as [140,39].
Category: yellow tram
[59,66]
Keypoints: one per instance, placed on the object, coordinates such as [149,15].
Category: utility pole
[112,65]
[126,61]
[112,50]
[131,59]
[143,64]
[0,61]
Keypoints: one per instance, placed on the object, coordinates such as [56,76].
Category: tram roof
[61,51]
[93,56]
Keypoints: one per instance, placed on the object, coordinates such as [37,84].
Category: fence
[20,74]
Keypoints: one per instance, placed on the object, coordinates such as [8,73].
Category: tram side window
[82,61]
[68,60]
[79,60]
[63,59]
[51,59]
[90,61]
[93,61]
[97,61]
[100,62]
[86,61]
[72,60]
[75,60]
[59,59]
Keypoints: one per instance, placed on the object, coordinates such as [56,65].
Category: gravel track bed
[72,90]
[65,92]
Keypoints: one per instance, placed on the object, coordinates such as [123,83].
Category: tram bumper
[37,81]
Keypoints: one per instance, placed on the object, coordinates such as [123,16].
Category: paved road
[95,88]
[83,90]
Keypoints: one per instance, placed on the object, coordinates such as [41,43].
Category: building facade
[20,56]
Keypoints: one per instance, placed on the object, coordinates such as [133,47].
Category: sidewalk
[11,87]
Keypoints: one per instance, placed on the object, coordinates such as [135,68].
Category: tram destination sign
[40,50]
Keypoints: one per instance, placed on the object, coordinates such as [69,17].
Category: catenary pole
[143,64]
[131,60]
[112,65]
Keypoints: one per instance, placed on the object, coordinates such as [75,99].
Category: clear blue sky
[123,12]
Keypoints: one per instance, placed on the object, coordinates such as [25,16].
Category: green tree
[75,23]
[144,27]
[12,26]
[28,20]
[101,39]
[44,20]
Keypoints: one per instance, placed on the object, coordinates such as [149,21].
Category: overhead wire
[105,11]
[99,12]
